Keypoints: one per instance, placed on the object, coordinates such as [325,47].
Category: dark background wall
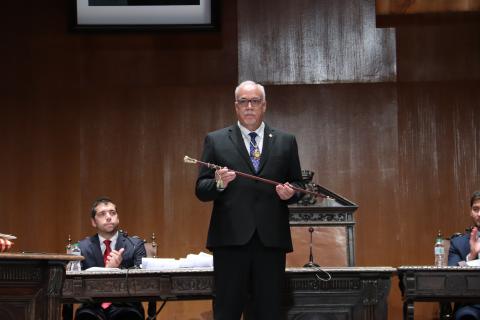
[83,115]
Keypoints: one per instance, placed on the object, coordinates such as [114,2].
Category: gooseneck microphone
[125,234]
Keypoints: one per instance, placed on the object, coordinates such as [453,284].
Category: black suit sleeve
[206,188]
[454,252]
[295,172]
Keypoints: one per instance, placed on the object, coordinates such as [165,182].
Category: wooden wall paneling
[40,165]
[84,115]
[438,122]
[442,52]
[137,154]
[42,46]
[335,125]
[389,7]
[308,42]
[438,170]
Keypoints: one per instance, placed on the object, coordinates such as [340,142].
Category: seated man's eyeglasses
[254,102]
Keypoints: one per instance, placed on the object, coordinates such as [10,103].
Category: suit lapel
[268,141]
[97,251]
[235,136]
[120,241]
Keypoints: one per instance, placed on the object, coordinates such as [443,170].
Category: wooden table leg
[408,310]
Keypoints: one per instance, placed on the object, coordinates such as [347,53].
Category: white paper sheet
[200,260]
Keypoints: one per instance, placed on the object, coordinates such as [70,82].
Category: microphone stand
[310,263]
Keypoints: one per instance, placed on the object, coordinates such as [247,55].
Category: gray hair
[250,82]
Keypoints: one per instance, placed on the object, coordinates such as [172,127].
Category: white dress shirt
[246,138]
[112,244]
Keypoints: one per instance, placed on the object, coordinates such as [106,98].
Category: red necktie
[107,251]
[105,305]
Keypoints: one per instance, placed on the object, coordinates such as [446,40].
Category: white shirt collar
[112,244]
[260,130]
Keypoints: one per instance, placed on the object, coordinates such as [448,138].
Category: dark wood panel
[440,160]
[42,46]
[347,135]
[395,13]
[83,115]
[31,285]
[389,7]
[127,145]
[440,52]
[309,41]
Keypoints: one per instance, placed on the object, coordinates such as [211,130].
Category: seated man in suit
[465,248]
[112,249]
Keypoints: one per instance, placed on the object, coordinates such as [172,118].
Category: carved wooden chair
[151,247]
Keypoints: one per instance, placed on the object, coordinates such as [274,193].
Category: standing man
[249,231]
[112,249]
[465,248]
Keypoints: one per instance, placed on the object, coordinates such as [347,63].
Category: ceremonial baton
[187,159]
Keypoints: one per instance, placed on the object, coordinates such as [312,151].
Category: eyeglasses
[254,102]
[102,214]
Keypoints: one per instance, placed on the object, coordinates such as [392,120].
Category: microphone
[125,234]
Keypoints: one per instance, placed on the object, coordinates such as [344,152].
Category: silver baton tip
[187,159]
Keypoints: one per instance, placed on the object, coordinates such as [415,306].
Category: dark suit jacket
[459,249]
[247,205]
[132,256]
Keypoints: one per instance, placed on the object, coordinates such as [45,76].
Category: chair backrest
[151,247]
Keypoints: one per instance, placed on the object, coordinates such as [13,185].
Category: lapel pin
[270,135]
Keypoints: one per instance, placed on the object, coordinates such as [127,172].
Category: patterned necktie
[254,151]
[105,305]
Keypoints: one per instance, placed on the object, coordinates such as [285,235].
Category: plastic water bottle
[75,265]
[439,251]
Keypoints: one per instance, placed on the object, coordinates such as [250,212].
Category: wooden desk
[428,283]
[352,293]
[31,285]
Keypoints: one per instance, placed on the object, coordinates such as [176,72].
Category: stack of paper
[201,260]
[101,269]
[474,263]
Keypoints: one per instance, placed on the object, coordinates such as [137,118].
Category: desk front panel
[430,283]
[352,293]
[31,285]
